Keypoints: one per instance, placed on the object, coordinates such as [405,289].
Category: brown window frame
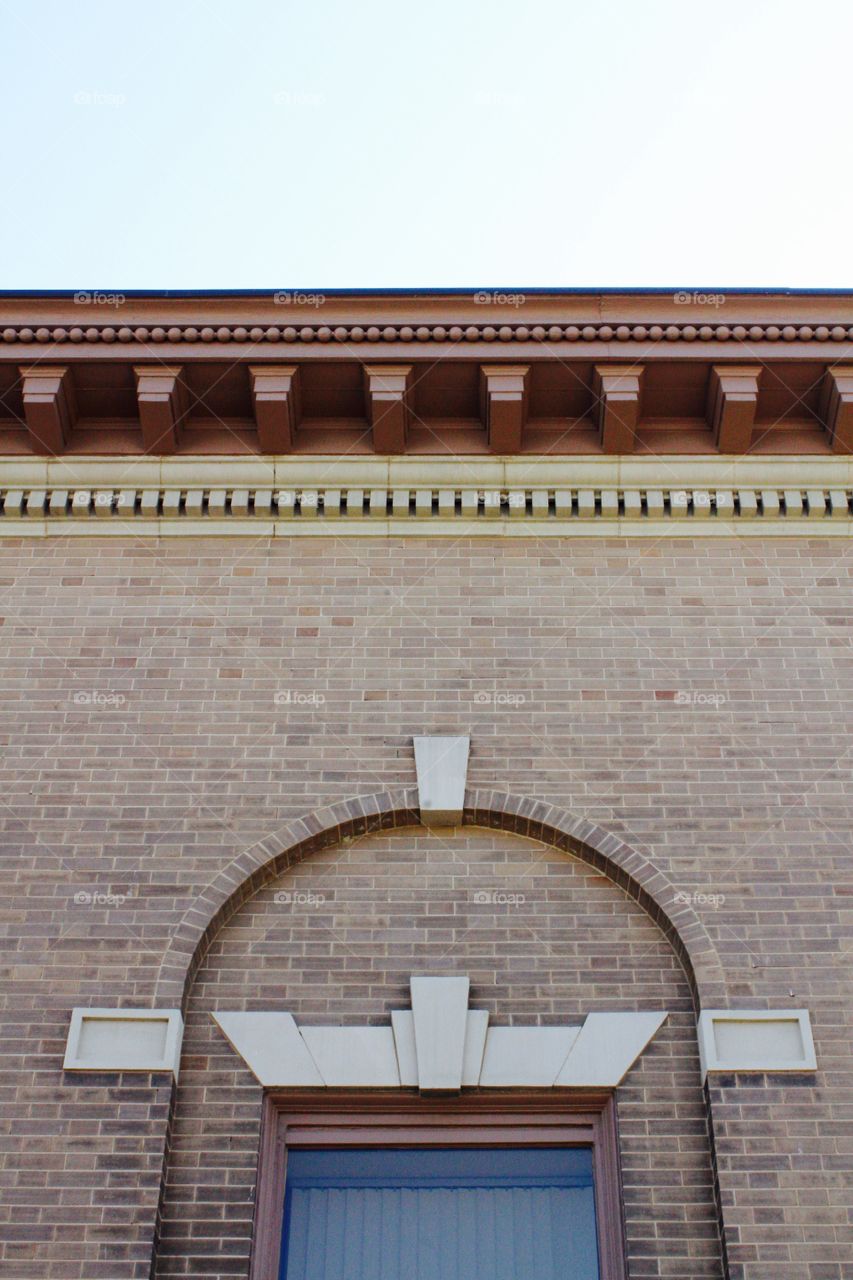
[383,1118]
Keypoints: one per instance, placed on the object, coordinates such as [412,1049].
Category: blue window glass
[481,1213]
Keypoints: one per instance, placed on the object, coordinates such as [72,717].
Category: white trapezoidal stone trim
[442,769]
[440,1046]
[271,1047]
[365,1055]
[608,1045]
[440,1015]
[529,1057]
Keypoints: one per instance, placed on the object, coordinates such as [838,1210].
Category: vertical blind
[440,1214]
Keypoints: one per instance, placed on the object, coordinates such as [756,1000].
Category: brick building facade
[248,558]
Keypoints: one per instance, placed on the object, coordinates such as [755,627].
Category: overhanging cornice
[427,374]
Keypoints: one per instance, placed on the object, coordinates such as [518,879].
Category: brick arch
[385,811]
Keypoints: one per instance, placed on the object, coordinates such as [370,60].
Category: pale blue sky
[254,143]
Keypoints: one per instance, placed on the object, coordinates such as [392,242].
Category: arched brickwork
[610,855]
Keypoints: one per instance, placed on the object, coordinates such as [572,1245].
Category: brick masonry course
[167,705]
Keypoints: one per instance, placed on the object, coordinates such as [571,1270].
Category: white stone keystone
[442,769]
[440,1013]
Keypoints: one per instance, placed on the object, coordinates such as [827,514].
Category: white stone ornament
[755,1040]
[271,1046]
[528,1057]
[606,1048]
[403,1026]
[440,1046]
[124,1040]
[476,1030]
[440,1013]
[442,769]
[344,1055]
[476,1024]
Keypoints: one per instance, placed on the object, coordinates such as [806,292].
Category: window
[465,1213]
[468,1188]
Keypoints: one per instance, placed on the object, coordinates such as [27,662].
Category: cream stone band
[460,497]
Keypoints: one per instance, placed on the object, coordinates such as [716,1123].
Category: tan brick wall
[691,696]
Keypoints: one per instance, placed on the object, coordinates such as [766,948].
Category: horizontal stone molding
[440,1046]
[471,495]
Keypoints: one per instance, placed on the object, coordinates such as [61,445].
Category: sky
[228,144]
